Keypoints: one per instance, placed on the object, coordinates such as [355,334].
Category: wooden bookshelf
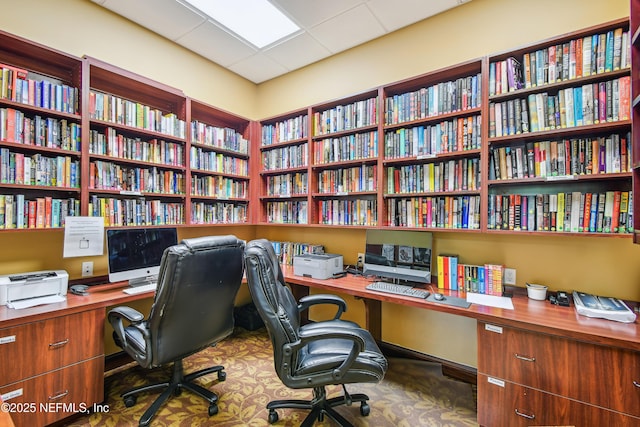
[635,112]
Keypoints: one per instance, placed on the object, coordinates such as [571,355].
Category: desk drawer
[578,370]
[38,347]
[47,398]
[504,404]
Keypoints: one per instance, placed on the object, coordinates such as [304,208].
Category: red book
[31,214]
[615,218]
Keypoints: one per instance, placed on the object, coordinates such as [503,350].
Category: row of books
[114,144]
[48,132]
[292,156]
[461,94]
[19,212]
[580,57]
[112,176]
[217,162]
[584,105]
[346,117]
[285,130]
[136,212]
[287,250]
[19,168]
[452,175]
[287,212]
[483,279]
[20,85]
[219,186]
[288,184]
[450,212]
[218,213]
[111,108]
[219,137]
[349,147]
[362,178]
[348,212]
[562,159]
[570,212]
[449,136]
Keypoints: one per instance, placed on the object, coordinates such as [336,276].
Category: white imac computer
[135,253]
[398,255]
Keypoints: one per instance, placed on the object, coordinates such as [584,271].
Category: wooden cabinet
[53,368]
[527,378]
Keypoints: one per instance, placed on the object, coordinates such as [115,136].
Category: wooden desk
[538,364]
[53,355]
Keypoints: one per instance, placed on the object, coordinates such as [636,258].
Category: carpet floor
[413,393]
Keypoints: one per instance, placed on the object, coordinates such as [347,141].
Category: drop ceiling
[328,27]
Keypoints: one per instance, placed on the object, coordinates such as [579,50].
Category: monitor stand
[141,281]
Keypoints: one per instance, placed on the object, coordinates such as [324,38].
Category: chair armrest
[116,315]
[311,300]
[318,334]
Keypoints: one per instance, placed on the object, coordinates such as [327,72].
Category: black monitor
[135,253]
[398,255]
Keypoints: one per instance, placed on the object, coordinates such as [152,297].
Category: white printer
[31,288]
[316,266]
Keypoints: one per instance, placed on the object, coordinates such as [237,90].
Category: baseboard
[450,369]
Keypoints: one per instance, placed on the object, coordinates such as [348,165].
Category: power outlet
[87,268]
[509,276]
[360,259]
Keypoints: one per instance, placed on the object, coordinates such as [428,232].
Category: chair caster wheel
[222,375]
[129,401]
[213,409]
[365,409]
[177,391]
[273,416]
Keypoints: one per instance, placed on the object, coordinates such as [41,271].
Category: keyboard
[394,288]
[134,290]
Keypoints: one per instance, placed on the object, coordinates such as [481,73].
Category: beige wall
[594,264]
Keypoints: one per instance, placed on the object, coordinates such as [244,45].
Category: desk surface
[538,316]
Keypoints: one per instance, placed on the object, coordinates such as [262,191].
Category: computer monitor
[398,255]
[135,253]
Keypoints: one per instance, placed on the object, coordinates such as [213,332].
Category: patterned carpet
[413,393]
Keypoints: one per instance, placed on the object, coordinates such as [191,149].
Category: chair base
[174,387]
[320,406]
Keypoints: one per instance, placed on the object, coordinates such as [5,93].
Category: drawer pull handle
[59,343]
[59,395]
[527,416]
[525,358]
[636,383]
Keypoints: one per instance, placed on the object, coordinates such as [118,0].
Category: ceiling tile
[297,52]
[348,29]
[309,13]
[258,68]
[400,13]
[168,18]
[216,44]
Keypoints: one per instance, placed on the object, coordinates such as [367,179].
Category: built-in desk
[538,364]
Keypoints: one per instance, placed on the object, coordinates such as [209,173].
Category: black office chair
[193,309]
[314,355]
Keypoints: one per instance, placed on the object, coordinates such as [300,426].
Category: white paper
[490,300]
[32,302]
[83,236]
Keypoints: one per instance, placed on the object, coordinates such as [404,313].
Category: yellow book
[561,213]
[440,262]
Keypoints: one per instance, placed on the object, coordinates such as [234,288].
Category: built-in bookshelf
[284,174]
[218,166]
[40,135]
[135,158]
[558,152]
[634,32]
[432,173]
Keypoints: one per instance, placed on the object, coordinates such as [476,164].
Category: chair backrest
[272,298]
[197,285]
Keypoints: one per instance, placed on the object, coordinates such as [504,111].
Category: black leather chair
[193,309]
[314,355]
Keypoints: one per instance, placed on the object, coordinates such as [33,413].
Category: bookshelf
[432,169]
[284,174]
[558,152]
[635,111]
[136,157]
[218,166]
[40,121]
